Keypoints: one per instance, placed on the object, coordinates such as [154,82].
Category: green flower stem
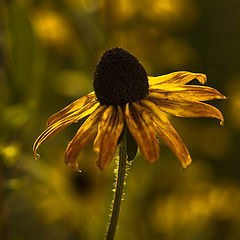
[121,173]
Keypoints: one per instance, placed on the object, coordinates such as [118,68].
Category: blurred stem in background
[109,17]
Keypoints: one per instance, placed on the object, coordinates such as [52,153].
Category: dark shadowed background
[48,52]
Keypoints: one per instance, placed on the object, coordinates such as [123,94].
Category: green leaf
[21,49]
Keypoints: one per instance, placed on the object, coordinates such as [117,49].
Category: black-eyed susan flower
[123,93]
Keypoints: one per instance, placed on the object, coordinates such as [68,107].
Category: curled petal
[56,127]
[190,92]
[168,134]
[186,108]
[83,137]
[72,108]
[142,129]
[109,130]
[182,77]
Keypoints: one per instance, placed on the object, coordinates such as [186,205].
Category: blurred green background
[48,52]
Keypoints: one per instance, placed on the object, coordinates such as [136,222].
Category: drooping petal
[141,127]
[181,77]
[167,133]
[190,92]
[83,137]
[186,108]
[56,127]
[71,108]
[109,130]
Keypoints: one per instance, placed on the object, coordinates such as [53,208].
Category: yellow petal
[56,127]
[186,108]
[182,77]
[168,134]
[189,92]
[83,137]
[71,109]
[109,130]
[141,127]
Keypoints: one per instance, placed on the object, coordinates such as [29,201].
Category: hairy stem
[121,173]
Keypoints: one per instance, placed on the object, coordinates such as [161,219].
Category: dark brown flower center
[119,78]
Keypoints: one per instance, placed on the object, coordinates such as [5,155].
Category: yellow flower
[123,93]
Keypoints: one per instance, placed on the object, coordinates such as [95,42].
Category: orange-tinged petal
[56,127]
[167,133]
[142,129]
[181,77]
[71,108]
[83,137]
[186,108]
[189,92]
[109,130]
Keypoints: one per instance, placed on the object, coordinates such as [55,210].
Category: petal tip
[221,119]
[224,97]
[100,166]
[36,156]
[71,162]
[74,166]
[152,160]
[219,95]
[187,163]
[186,166]
[202,78]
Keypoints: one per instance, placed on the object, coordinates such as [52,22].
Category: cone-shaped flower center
[119,78]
